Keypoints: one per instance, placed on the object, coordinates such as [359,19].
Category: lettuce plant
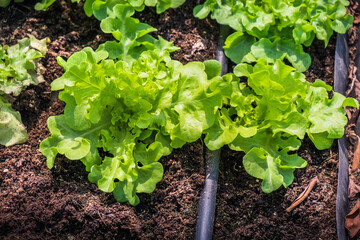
[103,8]
[19,65]
[5,3]
[276,29]
[268,118]
[131,101]
[19,68]
[135,111]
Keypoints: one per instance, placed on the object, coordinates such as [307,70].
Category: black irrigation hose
[357,65]
[340,83]
[206,214]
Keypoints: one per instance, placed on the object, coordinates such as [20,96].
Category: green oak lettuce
[132,36]
[268,119]
[104,8]
[303,20]
[19,68]
[275,29]
[135,111]
[5,3]
[12,131]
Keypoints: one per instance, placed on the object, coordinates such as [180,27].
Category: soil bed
[38,203]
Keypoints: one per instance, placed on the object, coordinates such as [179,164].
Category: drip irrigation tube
[206,211]
[340,83]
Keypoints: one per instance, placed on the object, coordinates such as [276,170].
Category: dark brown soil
[38,203]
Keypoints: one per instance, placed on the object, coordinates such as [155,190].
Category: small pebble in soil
[319,207]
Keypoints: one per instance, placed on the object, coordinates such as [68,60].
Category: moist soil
[38,203]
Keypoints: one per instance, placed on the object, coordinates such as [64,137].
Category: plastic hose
[340,83]
[206,212]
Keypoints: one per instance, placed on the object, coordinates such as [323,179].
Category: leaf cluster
[104,8]
[5,3]
[19,68]
[138,111]
[276,29]
[269,116]
[135,111]
[19,65]
[128,104]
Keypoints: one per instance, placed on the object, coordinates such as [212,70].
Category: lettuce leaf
[12,131]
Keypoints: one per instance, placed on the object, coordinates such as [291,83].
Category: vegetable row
[128,103]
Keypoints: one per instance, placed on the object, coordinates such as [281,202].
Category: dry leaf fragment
[356,158]
[357,20]
[353,189]
[352,114]
[356,89]
[352,220]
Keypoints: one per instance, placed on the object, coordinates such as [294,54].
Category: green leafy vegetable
[19,65]
[5,3]
[44,4]
[267,120]
[135,111]
[128,104]
[138,111]
[132,35]
[104,8]
[18,69]
[12,131]
[275,29]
